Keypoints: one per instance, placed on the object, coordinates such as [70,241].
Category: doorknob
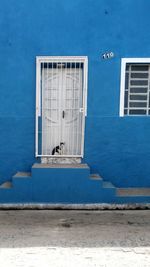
[63,114]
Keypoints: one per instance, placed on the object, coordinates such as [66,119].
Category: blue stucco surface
[117,148]
[65,186]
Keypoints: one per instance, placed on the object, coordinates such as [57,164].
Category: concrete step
[22,186]
[60,182]
[108,185]
[21,179]
[133,192]
[7,185]
[59,166]
[22,175]
[95,176]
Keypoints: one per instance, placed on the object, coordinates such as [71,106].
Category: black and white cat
[58,150]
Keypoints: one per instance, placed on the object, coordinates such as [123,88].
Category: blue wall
[118,148]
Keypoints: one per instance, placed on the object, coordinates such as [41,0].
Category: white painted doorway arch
[61,106]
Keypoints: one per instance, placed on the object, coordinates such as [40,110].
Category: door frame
[62,59]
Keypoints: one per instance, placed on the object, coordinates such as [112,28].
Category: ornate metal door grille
[61,106]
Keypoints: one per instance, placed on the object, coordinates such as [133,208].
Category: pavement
[59,238]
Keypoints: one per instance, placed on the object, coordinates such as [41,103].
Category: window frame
[125,61]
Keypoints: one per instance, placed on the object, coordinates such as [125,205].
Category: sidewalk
[45,238]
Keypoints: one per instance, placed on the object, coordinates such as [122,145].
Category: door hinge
[81,110]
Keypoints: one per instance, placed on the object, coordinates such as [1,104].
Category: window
[135,87]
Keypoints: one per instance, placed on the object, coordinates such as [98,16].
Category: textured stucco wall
[118,148]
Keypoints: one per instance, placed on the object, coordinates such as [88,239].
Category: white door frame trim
[52,59]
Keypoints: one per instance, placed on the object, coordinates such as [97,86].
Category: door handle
[63,114]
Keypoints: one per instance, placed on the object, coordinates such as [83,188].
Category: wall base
[60,206]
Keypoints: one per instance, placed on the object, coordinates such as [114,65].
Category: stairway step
[122,192]
[7,184]
[60,166]
[22,175]
[108,185]
[95,176]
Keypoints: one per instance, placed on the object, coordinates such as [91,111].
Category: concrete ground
[45,238]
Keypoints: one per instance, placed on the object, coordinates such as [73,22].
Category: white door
[62,111]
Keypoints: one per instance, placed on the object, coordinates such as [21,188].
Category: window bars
[136,88]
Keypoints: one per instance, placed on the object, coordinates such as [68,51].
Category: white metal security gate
[61,106]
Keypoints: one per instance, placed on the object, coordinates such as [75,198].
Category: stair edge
[6,185]
[108,185]
[133,192]
[60,166]
[95,176]
[22,175]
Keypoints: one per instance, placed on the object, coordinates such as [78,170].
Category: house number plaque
[108,55]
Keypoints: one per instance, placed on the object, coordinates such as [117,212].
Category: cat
[58,149]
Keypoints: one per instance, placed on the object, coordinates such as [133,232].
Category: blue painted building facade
[117,148]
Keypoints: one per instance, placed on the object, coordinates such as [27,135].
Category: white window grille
[135,87]
[61,106]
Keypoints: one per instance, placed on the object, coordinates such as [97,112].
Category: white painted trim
[124,61]
[52,59]
[122,85]
[43,59]
[86,83]
[60,156]
[37,104]
[137,60]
